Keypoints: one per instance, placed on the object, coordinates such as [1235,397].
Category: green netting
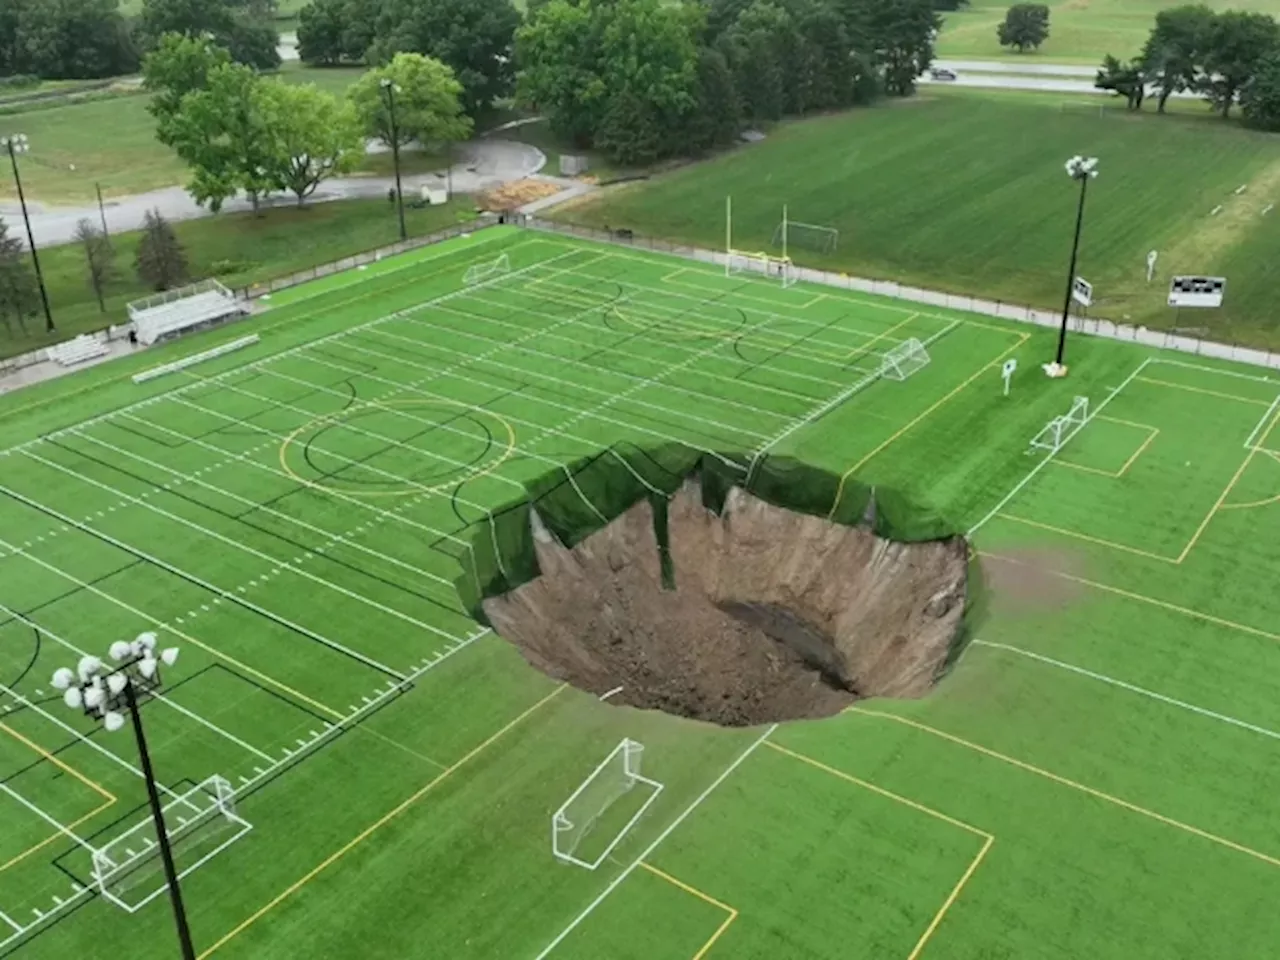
[581,497]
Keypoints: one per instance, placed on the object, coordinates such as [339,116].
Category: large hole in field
[761,614]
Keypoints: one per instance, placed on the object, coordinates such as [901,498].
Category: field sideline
[1094,778]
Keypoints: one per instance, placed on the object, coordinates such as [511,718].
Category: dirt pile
[774,615]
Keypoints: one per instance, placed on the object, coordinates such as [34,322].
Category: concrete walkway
[484,164]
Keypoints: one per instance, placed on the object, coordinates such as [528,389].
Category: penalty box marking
[732,913]
[1152,433]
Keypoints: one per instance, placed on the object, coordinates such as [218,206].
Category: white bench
[78,350]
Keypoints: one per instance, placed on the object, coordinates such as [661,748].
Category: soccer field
[1095,778]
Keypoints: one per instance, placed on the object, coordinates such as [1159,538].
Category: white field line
[684,815]
[62,641]
[831,404]
[1133,688]
[728,336]
[1225,373]
[5,917]
[254,364]
[56,824]
[1266,418]
[594,369]
[329,536]
[636,381]
[63,528]
[1044,462]
[276,564]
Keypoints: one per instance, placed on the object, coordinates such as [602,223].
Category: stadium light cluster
[99,689]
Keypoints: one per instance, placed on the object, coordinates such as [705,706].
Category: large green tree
[1025,26]
[177,66]
[1260,99]
[161,262]
[17,282]
[1236,45]
[427,101]
[314,135]
[717,115]
[473,37]
[1125,78]
[1175,49]
[902,34]
[758,48]
[243,28]
[586,62]
[336,31]
[65,39]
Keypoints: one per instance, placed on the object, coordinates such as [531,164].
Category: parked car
[942,73]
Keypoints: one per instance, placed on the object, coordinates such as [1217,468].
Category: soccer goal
[808,236]
[902,361]
[479,272]
[739,261]
[200,824]
[1061,429]
[616,776]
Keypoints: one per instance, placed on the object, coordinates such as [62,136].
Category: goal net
[738,261]
[1061,429]
[479,272]
[810,236]
[616,776]
[902,361]
[200,824]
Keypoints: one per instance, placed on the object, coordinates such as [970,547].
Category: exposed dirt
[775,615]
[512,195]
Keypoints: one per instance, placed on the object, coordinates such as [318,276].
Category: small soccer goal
[808,236]
[593,802]
[739,262]
[1061,429]
[902,361]
[200,824]
[479,272]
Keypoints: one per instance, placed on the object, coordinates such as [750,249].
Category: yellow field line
[844,477]
[1211,393]
[95,787]
[987,838]
[377,825]
[1115,474]
[866,347]
[1086,537]
[67,830]
[1074,785]
[1155,431]
[1251,503]
[687,888]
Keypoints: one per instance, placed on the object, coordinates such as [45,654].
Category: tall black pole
[157,814]
[395,156]
[1071,271]
[102,210]
[31,241]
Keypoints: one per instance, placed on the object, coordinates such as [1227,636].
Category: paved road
[1018,67]
[485,164]
[973,73]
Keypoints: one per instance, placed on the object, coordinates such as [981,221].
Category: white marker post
[1151,265]
[1006,372]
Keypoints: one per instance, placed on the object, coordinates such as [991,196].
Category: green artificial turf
[967,195]
[1094,778]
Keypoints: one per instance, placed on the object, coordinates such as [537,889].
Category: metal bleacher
[78,350]
[177,311]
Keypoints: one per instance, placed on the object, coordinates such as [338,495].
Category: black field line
[289,351]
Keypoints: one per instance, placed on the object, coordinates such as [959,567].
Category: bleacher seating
[177,311]
[77,350]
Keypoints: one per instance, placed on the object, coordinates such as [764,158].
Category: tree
[99,258]
[17,282]
[336,31]
[224,134]
[716,115]
[1236,44]
[581,59]
[427,107]
[161,261]
[1260,99]
[757,47]
[901,33]
[472,37]
[1127,79]
[1026,25]
[1174,50]
[241,26]
[67,39]
[177,66]
[315,136]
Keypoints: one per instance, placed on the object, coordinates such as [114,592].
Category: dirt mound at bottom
[773,615]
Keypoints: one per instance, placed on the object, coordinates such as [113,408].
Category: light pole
[107,693]
[1082,169]
[390,87]
[16,144]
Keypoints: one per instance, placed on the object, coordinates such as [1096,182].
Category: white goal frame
[1060,429]
[212,799]
[813,236]
[629,752]
[479,272]
[767,265]
[903,360]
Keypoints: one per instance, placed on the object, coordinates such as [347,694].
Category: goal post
[202,822]
[615,777]
[789,234]
[747,261]
[903,360]
[1054,434]
[486,269]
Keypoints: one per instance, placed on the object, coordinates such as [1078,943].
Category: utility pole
[1083,170]
[389,85]
[17,144]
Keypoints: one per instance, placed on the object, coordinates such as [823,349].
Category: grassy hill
[968,194]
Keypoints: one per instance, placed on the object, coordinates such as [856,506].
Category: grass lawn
[239,248]
[1079,32]
[1096,777]
[967,194]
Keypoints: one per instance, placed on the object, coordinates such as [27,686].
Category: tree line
[88,39]
[1229,57]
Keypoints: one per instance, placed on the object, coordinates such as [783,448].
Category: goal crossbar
[479,272]
[1054,434]
[615,776]
[765,264]
[902,360]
